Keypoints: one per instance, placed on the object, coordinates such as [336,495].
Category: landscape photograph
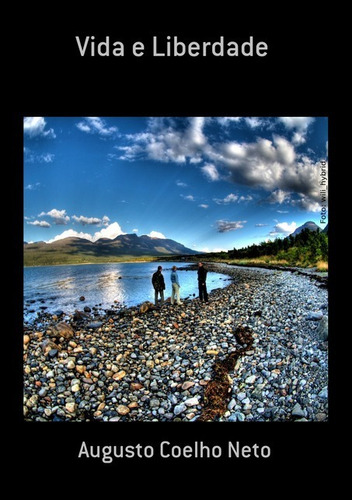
[175,269]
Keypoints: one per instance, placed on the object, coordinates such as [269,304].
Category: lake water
[53,288]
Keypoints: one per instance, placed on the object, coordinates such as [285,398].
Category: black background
[45,75]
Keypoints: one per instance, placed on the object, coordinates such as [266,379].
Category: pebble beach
[148,363]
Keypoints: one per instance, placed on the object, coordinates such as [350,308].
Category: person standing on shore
[202,285]
[175,287]
[159,285]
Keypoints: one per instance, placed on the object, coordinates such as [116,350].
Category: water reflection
[107,280]
[104,285]
[111,288]
[67,283]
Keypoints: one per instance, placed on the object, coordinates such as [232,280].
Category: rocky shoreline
[154,364]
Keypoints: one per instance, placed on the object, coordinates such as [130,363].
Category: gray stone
[232,418]
[180,409]
[154,403]
[172,398]
[240,416]
[285,367]
[314,316]
[95,324]
[258,392]
[154,385]
[192,402]
[322,329]
[297,411]
[324,393]
[231,404]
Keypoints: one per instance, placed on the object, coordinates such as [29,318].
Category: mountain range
[311,226]
[74,250]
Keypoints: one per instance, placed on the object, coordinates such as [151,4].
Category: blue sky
[211,183]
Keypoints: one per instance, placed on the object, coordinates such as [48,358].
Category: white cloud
[91,220]
[96,125]
[278,196]
[271,164]
[46,157]
[110,232]
[59,216]
[248,197]
[195,131]
[38,223]
[226,120]
[211,172]
[298,138]
[70,233]
[300,123]
[181,184]
[188,197]
[163,141]
[224,226]
[264,163]
[230,198]
[307,204]
[156,234]
[86,220]
[253,122]
[134,230]
[34,126]
[32,187]
[31,157]
[130,153]
[203,205]
[283,228]
[300,126]
[260,225]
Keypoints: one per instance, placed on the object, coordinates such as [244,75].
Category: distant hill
[308,246]
[79,250]
[308,225]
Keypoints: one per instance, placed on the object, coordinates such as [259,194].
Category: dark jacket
[158,281]
[202,274]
